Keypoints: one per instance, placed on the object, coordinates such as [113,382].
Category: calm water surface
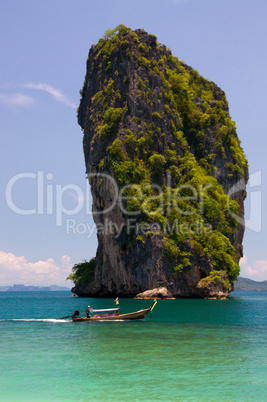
[190,350]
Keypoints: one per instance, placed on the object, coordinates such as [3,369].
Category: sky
[46,225]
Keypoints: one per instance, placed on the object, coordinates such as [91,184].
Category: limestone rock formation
[166,170]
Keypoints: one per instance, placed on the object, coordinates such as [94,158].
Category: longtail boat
[112,314]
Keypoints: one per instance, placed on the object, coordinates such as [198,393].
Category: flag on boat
[151,308]
[153,305]
[116,300]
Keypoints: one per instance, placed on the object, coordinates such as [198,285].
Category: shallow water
[190,350]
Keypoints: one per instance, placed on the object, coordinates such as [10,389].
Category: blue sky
[44,47]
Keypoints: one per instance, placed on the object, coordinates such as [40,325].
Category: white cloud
[14,269]
[256,271]
[16,99]
[58,95]
[19,99]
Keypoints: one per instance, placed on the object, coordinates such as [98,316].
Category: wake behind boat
[112,314]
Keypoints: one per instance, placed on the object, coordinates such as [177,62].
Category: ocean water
[190,350]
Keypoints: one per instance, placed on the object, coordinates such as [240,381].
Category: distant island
[242,284]
[23,288]
[245,284]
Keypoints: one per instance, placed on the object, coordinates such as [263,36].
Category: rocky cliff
[166,170]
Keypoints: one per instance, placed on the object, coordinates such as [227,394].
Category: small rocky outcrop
[215,286]
[158,293]
[166,169]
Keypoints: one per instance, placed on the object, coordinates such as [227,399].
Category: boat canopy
[106,309]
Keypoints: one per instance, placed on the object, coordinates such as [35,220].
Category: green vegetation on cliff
[156,122]
[83,273]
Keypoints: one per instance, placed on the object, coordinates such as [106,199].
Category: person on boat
[76,313]
[87,312]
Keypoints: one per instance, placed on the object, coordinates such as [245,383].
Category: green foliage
[110,123]
[116,152]
[110,33]
[101,164]
[156,116]
[124,44]
[171,249]
[143,48]
[216,277]
[226,284]
[156,163]
[221,253]
[143,62]
[140,84]
[83,273]
[134,204]
[140,240]
[131,143]
[130,172]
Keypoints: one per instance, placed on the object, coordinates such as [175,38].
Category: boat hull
[138,315]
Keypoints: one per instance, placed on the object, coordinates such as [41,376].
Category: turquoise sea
[190,350]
